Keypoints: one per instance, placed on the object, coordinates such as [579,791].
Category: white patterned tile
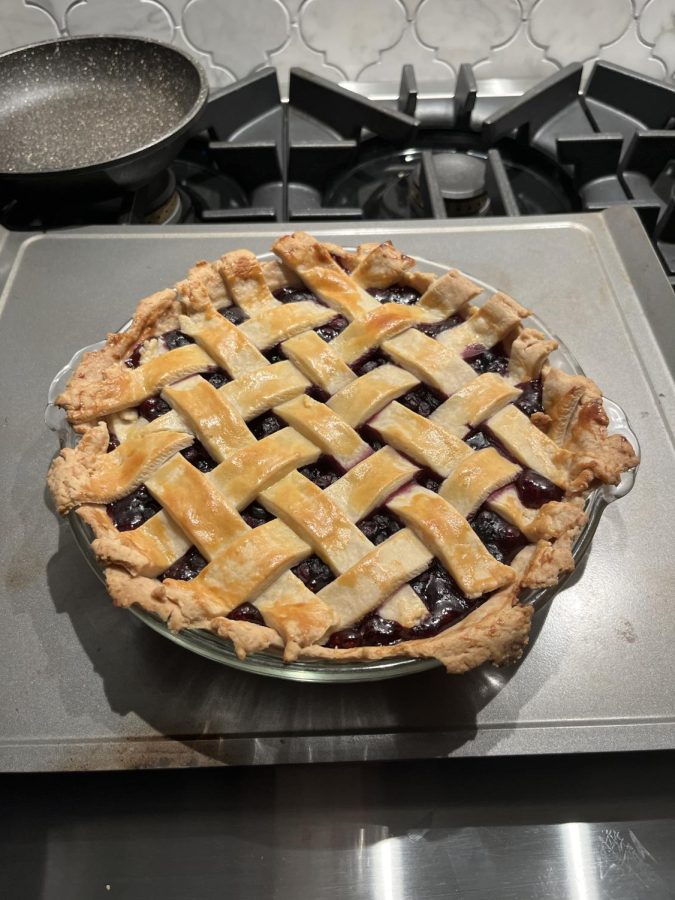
[371,39]
[238,36]
[409,50]
[137,17]
[218,76]
[576,29]
[55,8]
[465,30]
[293,7]
[26,25]
[411,7]
[518,58]
[657,27]
[629,51]
[296,53]
[174,8]
[352,34]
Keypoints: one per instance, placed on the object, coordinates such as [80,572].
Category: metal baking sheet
[87,686]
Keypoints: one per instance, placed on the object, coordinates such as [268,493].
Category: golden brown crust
[578,423]
[89,474]
[154,314]
[574,451]
[496,632]
[70,472]
[246,636]
[528,353]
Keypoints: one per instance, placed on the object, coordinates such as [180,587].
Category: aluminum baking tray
[88,686]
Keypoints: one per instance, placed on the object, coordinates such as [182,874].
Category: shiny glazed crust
[567,442]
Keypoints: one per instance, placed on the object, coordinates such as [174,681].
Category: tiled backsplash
[369,40]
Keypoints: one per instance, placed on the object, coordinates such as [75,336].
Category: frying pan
[94,114]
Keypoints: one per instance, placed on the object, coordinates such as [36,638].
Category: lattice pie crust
[335,455]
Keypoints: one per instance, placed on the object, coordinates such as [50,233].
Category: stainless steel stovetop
[87,686]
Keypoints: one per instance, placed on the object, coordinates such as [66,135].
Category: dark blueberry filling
[377,631]
[478,439]
[397,293]
[429,480]
[435,328]
[174,339]
[482,360]
[369,362]
[345,639]
[435,585]
[233,314]
[317,393]
[332,329]
[153,408]
[440,595]
[323,472]
[113,441]
[421,400]
[314,573]
[264,425]
[294,295]
[197,455]
[502,539]
[246,612]
[447,612]
[534,490]
[187,567]
[131,511]
[370,436]
[481,437]
[217,377]
[255,515]
[372,631]
[341,261]
[274,354]
[134,361]
[380,525]
[530,401]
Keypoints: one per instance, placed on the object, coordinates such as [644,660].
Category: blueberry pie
[333,455]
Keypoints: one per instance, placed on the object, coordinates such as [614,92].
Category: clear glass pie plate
[270,662]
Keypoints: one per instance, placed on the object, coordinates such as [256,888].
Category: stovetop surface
[330,154]
[88,686]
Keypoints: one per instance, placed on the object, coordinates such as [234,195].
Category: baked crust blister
[232,317]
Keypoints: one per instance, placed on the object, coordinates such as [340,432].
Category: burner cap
[460,176]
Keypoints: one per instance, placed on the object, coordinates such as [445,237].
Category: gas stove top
[334,155]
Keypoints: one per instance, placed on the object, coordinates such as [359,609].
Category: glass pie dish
[270,662]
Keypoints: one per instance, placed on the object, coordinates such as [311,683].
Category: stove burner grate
[333,154]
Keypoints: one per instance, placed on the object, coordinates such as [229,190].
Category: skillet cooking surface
[83,102]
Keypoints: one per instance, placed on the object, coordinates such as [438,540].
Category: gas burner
[207,188]
[402,194]
[332,154]
[450,177]
[168,213]
[461,180]
[157,203]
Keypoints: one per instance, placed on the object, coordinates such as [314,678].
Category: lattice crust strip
[335,455]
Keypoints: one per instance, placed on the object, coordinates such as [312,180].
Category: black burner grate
[329,153]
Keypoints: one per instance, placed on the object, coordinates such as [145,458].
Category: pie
[333,455]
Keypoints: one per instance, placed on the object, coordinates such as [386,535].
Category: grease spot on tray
[626,631]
